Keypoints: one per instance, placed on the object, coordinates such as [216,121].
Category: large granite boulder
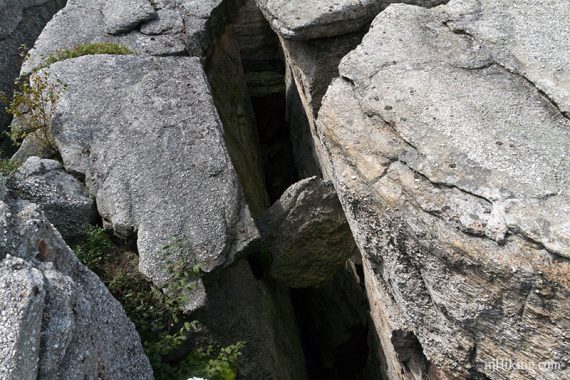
[57,319]
[155,160]
[447,138]
[307,234]
[21,22]
[62,197]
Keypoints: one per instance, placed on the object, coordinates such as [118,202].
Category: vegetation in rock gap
[87,49]
[165,331]
[32,106]
[8,167]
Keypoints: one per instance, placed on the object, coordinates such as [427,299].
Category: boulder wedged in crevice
[58,319]
[307,234]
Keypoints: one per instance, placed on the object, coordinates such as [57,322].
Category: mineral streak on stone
[155,160]
[449,148]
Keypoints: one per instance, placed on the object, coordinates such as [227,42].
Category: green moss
[87,49]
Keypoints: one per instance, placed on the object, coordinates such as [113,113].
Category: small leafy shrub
[163,328]
[87,49]
[32,105]
[8,167]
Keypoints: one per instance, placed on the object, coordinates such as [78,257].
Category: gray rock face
[57,321]
[171,27]
[155,161]
[303,20]
[64,199]
[458,202]
[307,234]
[21,21]
[259,313]
[124,15]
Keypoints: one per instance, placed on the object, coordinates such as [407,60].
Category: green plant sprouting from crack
[92,48]
[32,105]
[165,331]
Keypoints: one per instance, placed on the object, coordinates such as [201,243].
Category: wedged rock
[155,160]
[63,198]
[121,16]
[307,234]
[304,20]
[458,202]
[57,318]
[21,21]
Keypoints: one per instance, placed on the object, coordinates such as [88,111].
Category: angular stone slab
[146,135]
[121,16]
[303,20]
[62,197]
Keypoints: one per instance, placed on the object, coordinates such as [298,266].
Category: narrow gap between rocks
[329,354]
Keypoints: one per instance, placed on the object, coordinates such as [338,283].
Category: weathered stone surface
[121,16]
[258,313]
[458,202]
[294,19]
[21,21]
[177,28]
[260,51]
[64,199]
[229,89]
[307,234]
[155,160]
[57,319]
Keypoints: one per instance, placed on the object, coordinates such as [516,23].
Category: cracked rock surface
[448,140]
[57,319]
[156,161]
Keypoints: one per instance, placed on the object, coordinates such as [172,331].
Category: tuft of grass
[92,48]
